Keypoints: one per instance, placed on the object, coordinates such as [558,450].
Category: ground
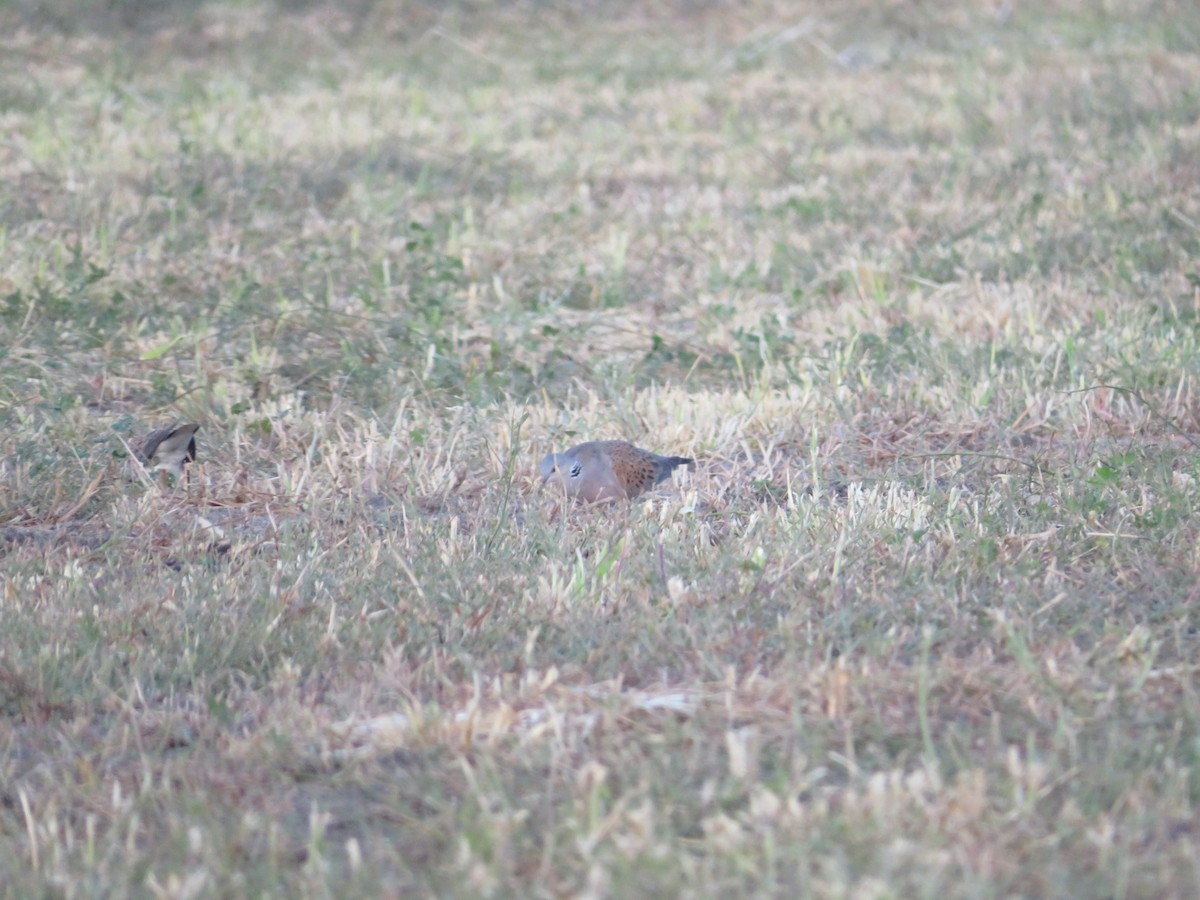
[915,284]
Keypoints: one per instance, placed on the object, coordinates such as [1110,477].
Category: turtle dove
[608,470]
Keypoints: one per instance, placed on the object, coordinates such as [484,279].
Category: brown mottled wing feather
[634,468]
[639,470]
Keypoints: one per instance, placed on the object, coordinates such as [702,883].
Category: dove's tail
[667,464]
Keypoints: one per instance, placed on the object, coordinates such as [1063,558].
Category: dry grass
[916,284]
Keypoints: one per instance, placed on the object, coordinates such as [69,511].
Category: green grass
[917,286]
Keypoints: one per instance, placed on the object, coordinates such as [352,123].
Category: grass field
[917,284]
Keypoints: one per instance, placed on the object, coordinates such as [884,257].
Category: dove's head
[561,465]
[584,472]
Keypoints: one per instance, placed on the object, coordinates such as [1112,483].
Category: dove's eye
[576,470]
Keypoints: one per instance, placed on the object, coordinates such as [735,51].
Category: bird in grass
[608,470]
[168,449]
